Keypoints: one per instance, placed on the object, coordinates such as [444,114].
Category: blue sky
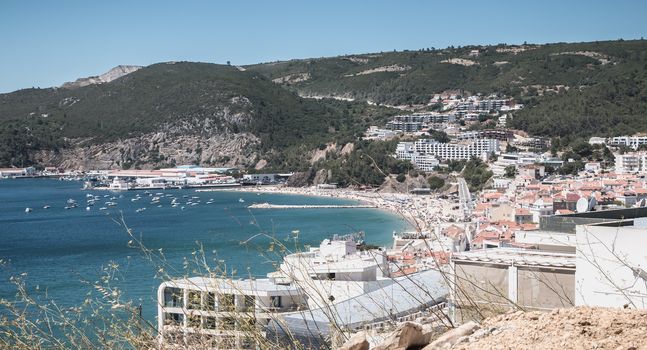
[45,43]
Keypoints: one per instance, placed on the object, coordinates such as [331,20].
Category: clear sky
[45,43]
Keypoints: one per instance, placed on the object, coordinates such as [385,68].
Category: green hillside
[598,85]
[570,91]
[184,96]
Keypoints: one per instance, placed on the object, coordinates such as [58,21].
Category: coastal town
[323,175]
[533,234]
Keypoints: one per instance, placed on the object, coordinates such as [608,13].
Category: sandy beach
[422,212]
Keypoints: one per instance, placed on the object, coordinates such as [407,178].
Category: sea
[61,254]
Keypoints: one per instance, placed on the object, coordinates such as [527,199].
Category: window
[226,302]
[210,322]
[275,301]
[209,302]
[193,321]
[228,323]
[173,319]
[194,300]
[173,297]
[250,303]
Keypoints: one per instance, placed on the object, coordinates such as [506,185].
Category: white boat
[28,210]
[140,210]
[87,208]
[46,207]
[103,208]
[241,200]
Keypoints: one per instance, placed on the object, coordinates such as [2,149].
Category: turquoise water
[58,249]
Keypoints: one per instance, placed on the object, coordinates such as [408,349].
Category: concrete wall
[611,265]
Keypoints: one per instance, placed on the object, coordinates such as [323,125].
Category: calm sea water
[59,249]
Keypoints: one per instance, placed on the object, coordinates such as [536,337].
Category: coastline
[421,213]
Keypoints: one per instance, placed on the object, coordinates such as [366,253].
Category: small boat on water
[140,210]
[241,200]
[87,208]
[103,208]
[46,206]
[28,210]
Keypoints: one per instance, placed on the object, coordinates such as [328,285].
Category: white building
[629,141]
[425,162]
[501,279]
[221,313]
[597,141]
[611,264]
[629,163]
[480,148]
[375,133]
[334,272]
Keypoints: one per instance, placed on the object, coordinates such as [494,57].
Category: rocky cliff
[114,73]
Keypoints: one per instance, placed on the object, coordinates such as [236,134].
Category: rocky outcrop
[406,336]
[106,77]
[154,150]
[301,179]
[321,177]
[571,328]
[392,185]
[452,337]
[356,342]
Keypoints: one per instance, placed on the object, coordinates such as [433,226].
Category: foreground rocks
[573,328]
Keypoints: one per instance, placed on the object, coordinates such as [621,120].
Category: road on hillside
[464,198]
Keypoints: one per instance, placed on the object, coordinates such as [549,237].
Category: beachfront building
[333,272]
[332,284]
[425,153]
[17,172]
[221,313]
[480,148]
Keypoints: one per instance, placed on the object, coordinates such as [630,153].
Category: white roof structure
[232,286]
[402,296]
[518,257]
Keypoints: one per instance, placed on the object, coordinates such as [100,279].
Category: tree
[511,171]
[401,177]
[583,149]
[439,136]
[435,182]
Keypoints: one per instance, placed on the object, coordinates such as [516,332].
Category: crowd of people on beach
[421,212]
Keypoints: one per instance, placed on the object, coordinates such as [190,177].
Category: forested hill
[181,112]
[177,99]
[571,89]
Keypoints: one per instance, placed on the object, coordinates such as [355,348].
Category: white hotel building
[419,152]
